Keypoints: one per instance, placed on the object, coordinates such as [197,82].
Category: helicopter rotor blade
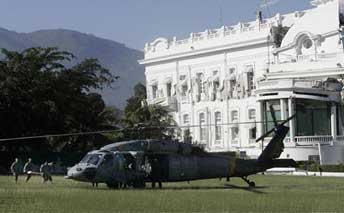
[274,129]
[288,119]
[265,134]
[272,111]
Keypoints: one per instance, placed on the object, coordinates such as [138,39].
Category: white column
[333,121]
[283,109]
[260,117]
[292,121]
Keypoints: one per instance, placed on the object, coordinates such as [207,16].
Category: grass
[273,194]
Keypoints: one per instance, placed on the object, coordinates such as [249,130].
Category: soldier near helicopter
[28,169]
[156,173]
[15,169]
[45,170]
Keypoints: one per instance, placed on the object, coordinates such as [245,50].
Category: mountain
[116,57]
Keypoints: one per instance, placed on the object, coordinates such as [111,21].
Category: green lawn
[273,194]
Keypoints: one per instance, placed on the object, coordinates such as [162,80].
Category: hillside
[116,57]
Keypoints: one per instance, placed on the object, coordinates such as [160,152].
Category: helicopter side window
[108,159]
[130,162]
[94,159]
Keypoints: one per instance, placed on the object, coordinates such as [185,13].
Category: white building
[218,83]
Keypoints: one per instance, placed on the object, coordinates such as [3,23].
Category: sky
[135,22]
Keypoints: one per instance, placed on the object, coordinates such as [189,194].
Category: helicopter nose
[81,174]
[74,173]
[90,173]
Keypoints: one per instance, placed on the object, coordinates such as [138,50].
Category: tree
[39,95]
[144,120]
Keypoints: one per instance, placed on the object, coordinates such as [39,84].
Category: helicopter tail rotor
[276,124]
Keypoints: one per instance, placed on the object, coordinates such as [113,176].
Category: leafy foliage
[146,121]
[39,96]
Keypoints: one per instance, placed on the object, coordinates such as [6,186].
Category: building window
[169,89]
[200,81]
[313,117]
[232,70]
[307,43]
[235,116]
[202,127]
[250,79]
[252,134]
[183,85]
[235,134]
[186,119]
[187,136]
[154,91]
[218,127]
[252,114]
[184,89]
[269,124]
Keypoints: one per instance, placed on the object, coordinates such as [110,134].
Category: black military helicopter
[134,163]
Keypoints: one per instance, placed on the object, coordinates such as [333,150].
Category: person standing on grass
[15,169]
[305,167]
[45,170]
[28,169]
[320,170]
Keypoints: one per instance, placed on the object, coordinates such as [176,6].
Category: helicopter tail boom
[284,163]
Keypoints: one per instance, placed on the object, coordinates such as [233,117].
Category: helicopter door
[106,166]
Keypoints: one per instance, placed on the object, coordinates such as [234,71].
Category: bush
[314,167]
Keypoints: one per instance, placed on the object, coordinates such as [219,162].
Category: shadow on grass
[225,186]
[247,188]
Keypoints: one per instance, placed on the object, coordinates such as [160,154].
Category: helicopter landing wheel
[112,185]
[251,184]
[139,184]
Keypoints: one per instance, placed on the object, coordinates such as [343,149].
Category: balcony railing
[311,140]
[170,102]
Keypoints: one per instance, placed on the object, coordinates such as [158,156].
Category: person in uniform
[156,173]
[15,169]
[45,170]
[28,169]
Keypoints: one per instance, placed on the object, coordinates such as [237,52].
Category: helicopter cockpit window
[108,159]
[91,159]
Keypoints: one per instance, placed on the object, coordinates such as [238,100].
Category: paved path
[299,172]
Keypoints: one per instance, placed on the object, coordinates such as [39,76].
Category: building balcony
[286,63]
[170,102]
[295,83]
[299,88]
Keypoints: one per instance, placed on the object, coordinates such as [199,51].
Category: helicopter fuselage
[137,168]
